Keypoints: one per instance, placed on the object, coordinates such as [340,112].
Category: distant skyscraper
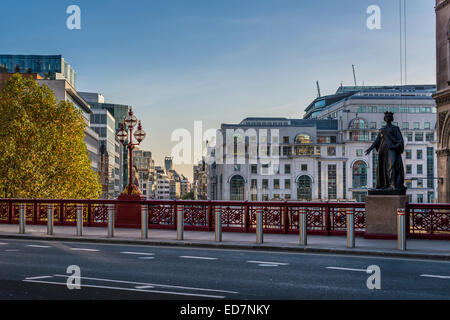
[168,163]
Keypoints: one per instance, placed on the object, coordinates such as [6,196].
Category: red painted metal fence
[327,218]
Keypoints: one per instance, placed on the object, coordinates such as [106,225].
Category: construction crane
[354,74]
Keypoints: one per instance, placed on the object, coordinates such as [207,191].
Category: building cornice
[442,96]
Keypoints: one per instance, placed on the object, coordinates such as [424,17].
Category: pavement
[48,269]
[416,248]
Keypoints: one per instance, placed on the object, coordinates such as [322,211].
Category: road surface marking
[39,277]
[434,276]
[84,249]
[2,243]
[267,265]
[144,287]
[194,257]
[131,289]
[147,284]
[138,253]
[146,258]
[12,250]
[37,246]
[347,269]
[269,262]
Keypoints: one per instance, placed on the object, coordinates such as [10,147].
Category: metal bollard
[302,227]
[80,220]
[144,222]
[111,215]
[218,223]
[22,218]
[259,225]
[350,228]
[401,229]
[180,222]
[50,219]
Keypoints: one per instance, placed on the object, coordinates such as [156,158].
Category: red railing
[431,221]
[325,218]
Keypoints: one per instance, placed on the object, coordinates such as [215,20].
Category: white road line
[148,284]
[271,263]
[84,249]
[434,276]
[347,269]
[37,246]
[131,289]
[146,258]
[12,250]
[267,265]
[2,243]
[194,257]
[39,277]
[138,253]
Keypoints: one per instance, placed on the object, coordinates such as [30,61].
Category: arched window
[359,130]
[304,188]
[303,138]
[359,174]
[237,188]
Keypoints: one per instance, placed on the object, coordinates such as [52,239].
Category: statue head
[388,117]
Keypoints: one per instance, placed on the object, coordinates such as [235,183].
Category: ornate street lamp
[123,136]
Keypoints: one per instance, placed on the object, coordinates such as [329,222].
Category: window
[237,188]
[416,125]
[287,151]
[409,137]
[359,174]
[359,136]
[326,140]
[429,137]
[427,125]
[362,109]
[254,184]
[276,183]
[237,167]
[265,169]
[408,184]
[408,169]
[286,140]
[358,123]
[332,183]
[373,125]
[287,169]
[405,125]
[304,167]
[254,169]
[419,154]
[304,190]
[276,169]
[373,136]
[419,136]
[419,169]
[359,152]
[408,154]
[419,183]
[420,198]
[265,184]
[303,139]
[372,108]
[287,183]
[287,196]
[331,151]
[304,150]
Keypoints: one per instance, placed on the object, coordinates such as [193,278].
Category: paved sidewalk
[431,249]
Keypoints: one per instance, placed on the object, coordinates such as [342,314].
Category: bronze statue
[390,146]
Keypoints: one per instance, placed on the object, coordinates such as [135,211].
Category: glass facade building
[51,67]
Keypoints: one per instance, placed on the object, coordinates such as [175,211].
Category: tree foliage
[42,148]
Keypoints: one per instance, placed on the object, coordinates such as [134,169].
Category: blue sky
[219,61]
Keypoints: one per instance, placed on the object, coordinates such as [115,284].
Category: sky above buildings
[219,61]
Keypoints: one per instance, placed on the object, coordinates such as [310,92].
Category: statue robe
[390,146]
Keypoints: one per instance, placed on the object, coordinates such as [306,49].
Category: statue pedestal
[381,215]
[128,215]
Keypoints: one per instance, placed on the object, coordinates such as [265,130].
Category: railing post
[111,214]
[401,229]
[210,217]
[144,221]
[10,215]
[50,219]
[89,215]
[218,223]
[80,220]
[22,218]
[259,225]
[285,217]
[35,212]
[61,214]
[180,222]
[246,216]
[175,215]
[350,228]
[327,218]
[302,227]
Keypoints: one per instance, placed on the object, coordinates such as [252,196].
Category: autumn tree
[42,148]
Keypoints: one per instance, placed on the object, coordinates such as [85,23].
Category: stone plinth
[381,215]
[128,215]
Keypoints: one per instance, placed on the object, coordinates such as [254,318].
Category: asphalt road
[38,270]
